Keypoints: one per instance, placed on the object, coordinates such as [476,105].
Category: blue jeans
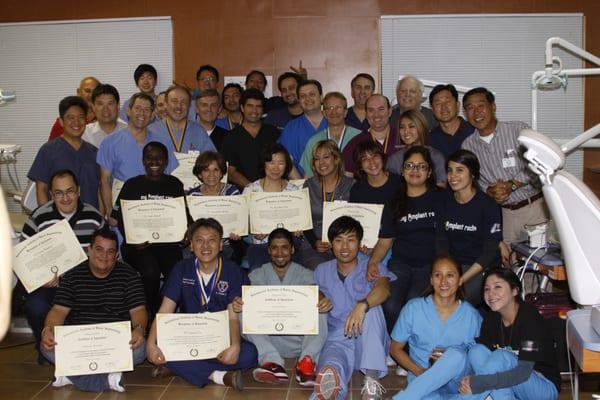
[412,281]
[97,382]
[37,305]
[484,362]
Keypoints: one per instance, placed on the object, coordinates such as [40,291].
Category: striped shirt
[95,300]
[84,222]
[501,159]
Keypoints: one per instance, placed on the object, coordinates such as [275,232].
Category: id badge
[509,162]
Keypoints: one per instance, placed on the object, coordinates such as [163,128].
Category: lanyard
[215,279]
[341,141]
[332,192]
[385,142]
[177,146]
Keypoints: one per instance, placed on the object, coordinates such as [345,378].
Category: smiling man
[504,173]
[99,290]
[296,133]
[105,103]
[362,86]
[335,111]
[452,130]
[146,78]
[272,348]
[83,219]
[357,338]
[288,84]
[409,95]
[203,283]
[120,154]
[243,145]
[380,131]
[68,152]
[180,134]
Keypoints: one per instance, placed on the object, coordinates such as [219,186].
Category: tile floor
[22,378]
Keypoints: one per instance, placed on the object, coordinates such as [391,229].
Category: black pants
[151,263]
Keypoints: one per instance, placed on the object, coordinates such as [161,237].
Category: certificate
[154,221]
[369,216]
[230,211]
[280,310]
[270,210]
[53,250]
[93,349]
[117,185]
[192,336]
[184,171]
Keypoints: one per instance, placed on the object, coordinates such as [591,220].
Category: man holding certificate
[152,259]
[357,338]
[83,219]
[100,290]
[272,348]
[207,284]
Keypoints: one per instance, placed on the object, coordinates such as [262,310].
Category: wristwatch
[513,185]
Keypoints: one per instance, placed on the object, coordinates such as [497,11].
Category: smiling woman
[438,328]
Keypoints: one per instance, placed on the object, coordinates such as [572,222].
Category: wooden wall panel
[334,38]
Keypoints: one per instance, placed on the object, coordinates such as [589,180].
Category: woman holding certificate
[469,223]
[275,167]
[439,328]
[408,229]
[151,260]
[328,184]
[210,168]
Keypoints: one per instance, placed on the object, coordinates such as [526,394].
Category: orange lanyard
[385,142]
[177,146]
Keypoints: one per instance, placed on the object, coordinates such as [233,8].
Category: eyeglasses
[409,166]
[334,108]
[59,194]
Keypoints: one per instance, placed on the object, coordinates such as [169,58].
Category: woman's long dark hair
[400,195]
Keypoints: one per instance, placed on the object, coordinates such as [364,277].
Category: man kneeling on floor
[205,283]
[357,337]
[99,290]
[272,348]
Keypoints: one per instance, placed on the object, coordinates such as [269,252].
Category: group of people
[455,194]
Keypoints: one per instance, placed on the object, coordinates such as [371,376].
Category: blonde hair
[329,145]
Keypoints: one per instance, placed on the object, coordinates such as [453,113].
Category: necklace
[324,193]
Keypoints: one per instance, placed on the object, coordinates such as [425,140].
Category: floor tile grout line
[166,388]
[41,390]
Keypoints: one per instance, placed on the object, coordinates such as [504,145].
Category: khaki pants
[514,221]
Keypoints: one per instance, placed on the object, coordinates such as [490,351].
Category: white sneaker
[60,381]
[372,389]
[327,385]
[390,362]
[401,371]
[114,382]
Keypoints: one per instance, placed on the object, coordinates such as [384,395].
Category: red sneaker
[270,373]
[306,372]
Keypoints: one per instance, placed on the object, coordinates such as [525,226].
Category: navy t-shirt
[183,286]
[467,227]
[414,233]
[362,192]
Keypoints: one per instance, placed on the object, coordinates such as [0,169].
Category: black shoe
[233,379]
